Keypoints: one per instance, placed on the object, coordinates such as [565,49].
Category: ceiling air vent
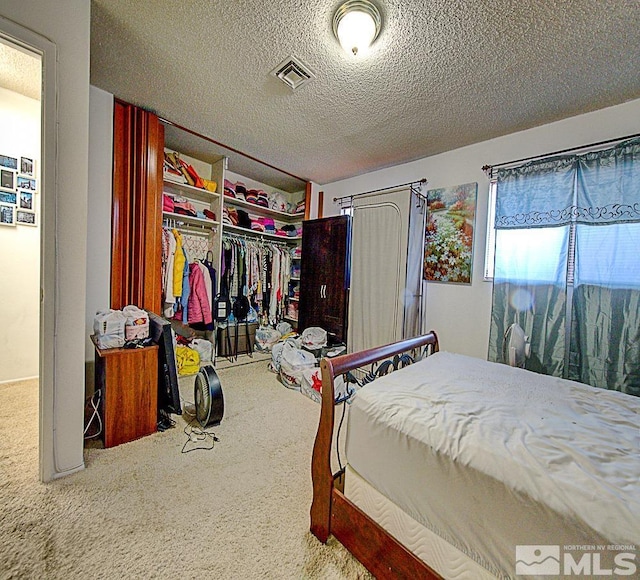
[293,72]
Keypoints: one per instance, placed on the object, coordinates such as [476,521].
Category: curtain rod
[489,168]
[410,184]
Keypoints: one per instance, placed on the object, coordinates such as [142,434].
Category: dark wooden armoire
[324,276]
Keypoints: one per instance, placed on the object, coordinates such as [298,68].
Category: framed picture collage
[18,191]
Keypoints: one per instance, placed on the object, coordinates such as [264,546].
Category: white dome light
[356,24]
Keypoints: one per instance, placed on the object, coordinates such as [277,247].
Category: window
[528,249]
[564,264]
[490,250]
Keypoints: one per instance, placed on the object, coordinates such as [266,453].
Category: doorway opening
[20,237]
[20,242]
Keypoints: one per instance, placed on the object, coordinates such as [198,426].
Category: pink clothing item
[268,223]
[167,203]
[184,208]
[199,307]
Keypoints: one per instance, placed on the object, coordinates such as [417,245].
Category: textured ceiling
[441,75]
[20,71]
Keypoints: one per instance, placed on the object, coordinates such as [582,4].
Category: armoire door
[324,276]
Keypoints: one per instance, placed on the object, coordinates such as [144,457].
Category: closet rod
[414,186]
[488,169]
[190,228]
[256,239]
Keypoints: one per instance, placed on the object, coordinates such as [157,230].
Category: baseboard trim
[19,380]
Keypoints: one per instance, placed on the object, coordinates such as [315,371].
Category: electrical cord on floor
[165,421]
[203,439]
[344,410]
[94,401]
[185,405]
[344,400]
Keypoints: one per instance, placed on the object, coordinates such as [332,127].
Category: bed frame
[331,512]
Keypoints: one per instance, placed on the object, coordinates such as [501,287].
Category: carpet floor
[161,507]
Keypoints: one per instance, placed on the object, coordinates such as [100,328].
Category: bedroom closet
[181,240]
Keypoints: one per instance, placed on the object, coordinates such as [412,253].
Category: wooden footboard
[331,512]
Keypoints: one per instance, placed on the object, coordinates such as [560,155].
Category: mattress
[489,457]
[445,559]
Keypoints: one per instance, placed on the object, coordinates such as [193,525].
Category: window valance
[600,187]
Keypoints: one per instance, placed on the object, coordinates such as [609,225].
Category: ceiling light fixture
[356,25]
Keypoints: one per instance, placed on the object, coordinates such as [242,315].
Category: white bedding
[490,457]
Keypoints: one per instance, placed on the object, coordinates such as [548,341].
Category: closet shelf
[189,191]
[194,221]
[264,211]
[257,234]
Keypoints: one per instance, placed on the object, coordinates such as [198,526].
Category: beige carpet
[146,510]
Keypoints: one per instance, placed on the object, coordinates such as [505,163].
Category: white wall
[460,314]
[20,249]
[98,215]
[66,23]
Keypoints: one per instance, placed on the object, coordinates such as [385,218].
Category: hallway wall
[20,248]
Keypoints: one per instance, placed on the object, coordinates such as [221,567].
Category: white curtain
[379,294]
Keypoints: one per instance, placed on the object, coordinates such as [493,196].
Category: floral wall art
[448,246]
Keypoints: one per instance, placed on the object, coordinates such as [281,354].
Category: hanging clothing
[275,286]
[186,288]
[258,270]
[168,281]
[212,275]
[164,261]
[178,265]
[199,305]
[207,282]
[179,250]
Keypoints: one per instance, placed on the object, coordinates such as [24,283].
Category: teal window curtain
[566,265]
[608,187]
[533,208]
[529,288]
